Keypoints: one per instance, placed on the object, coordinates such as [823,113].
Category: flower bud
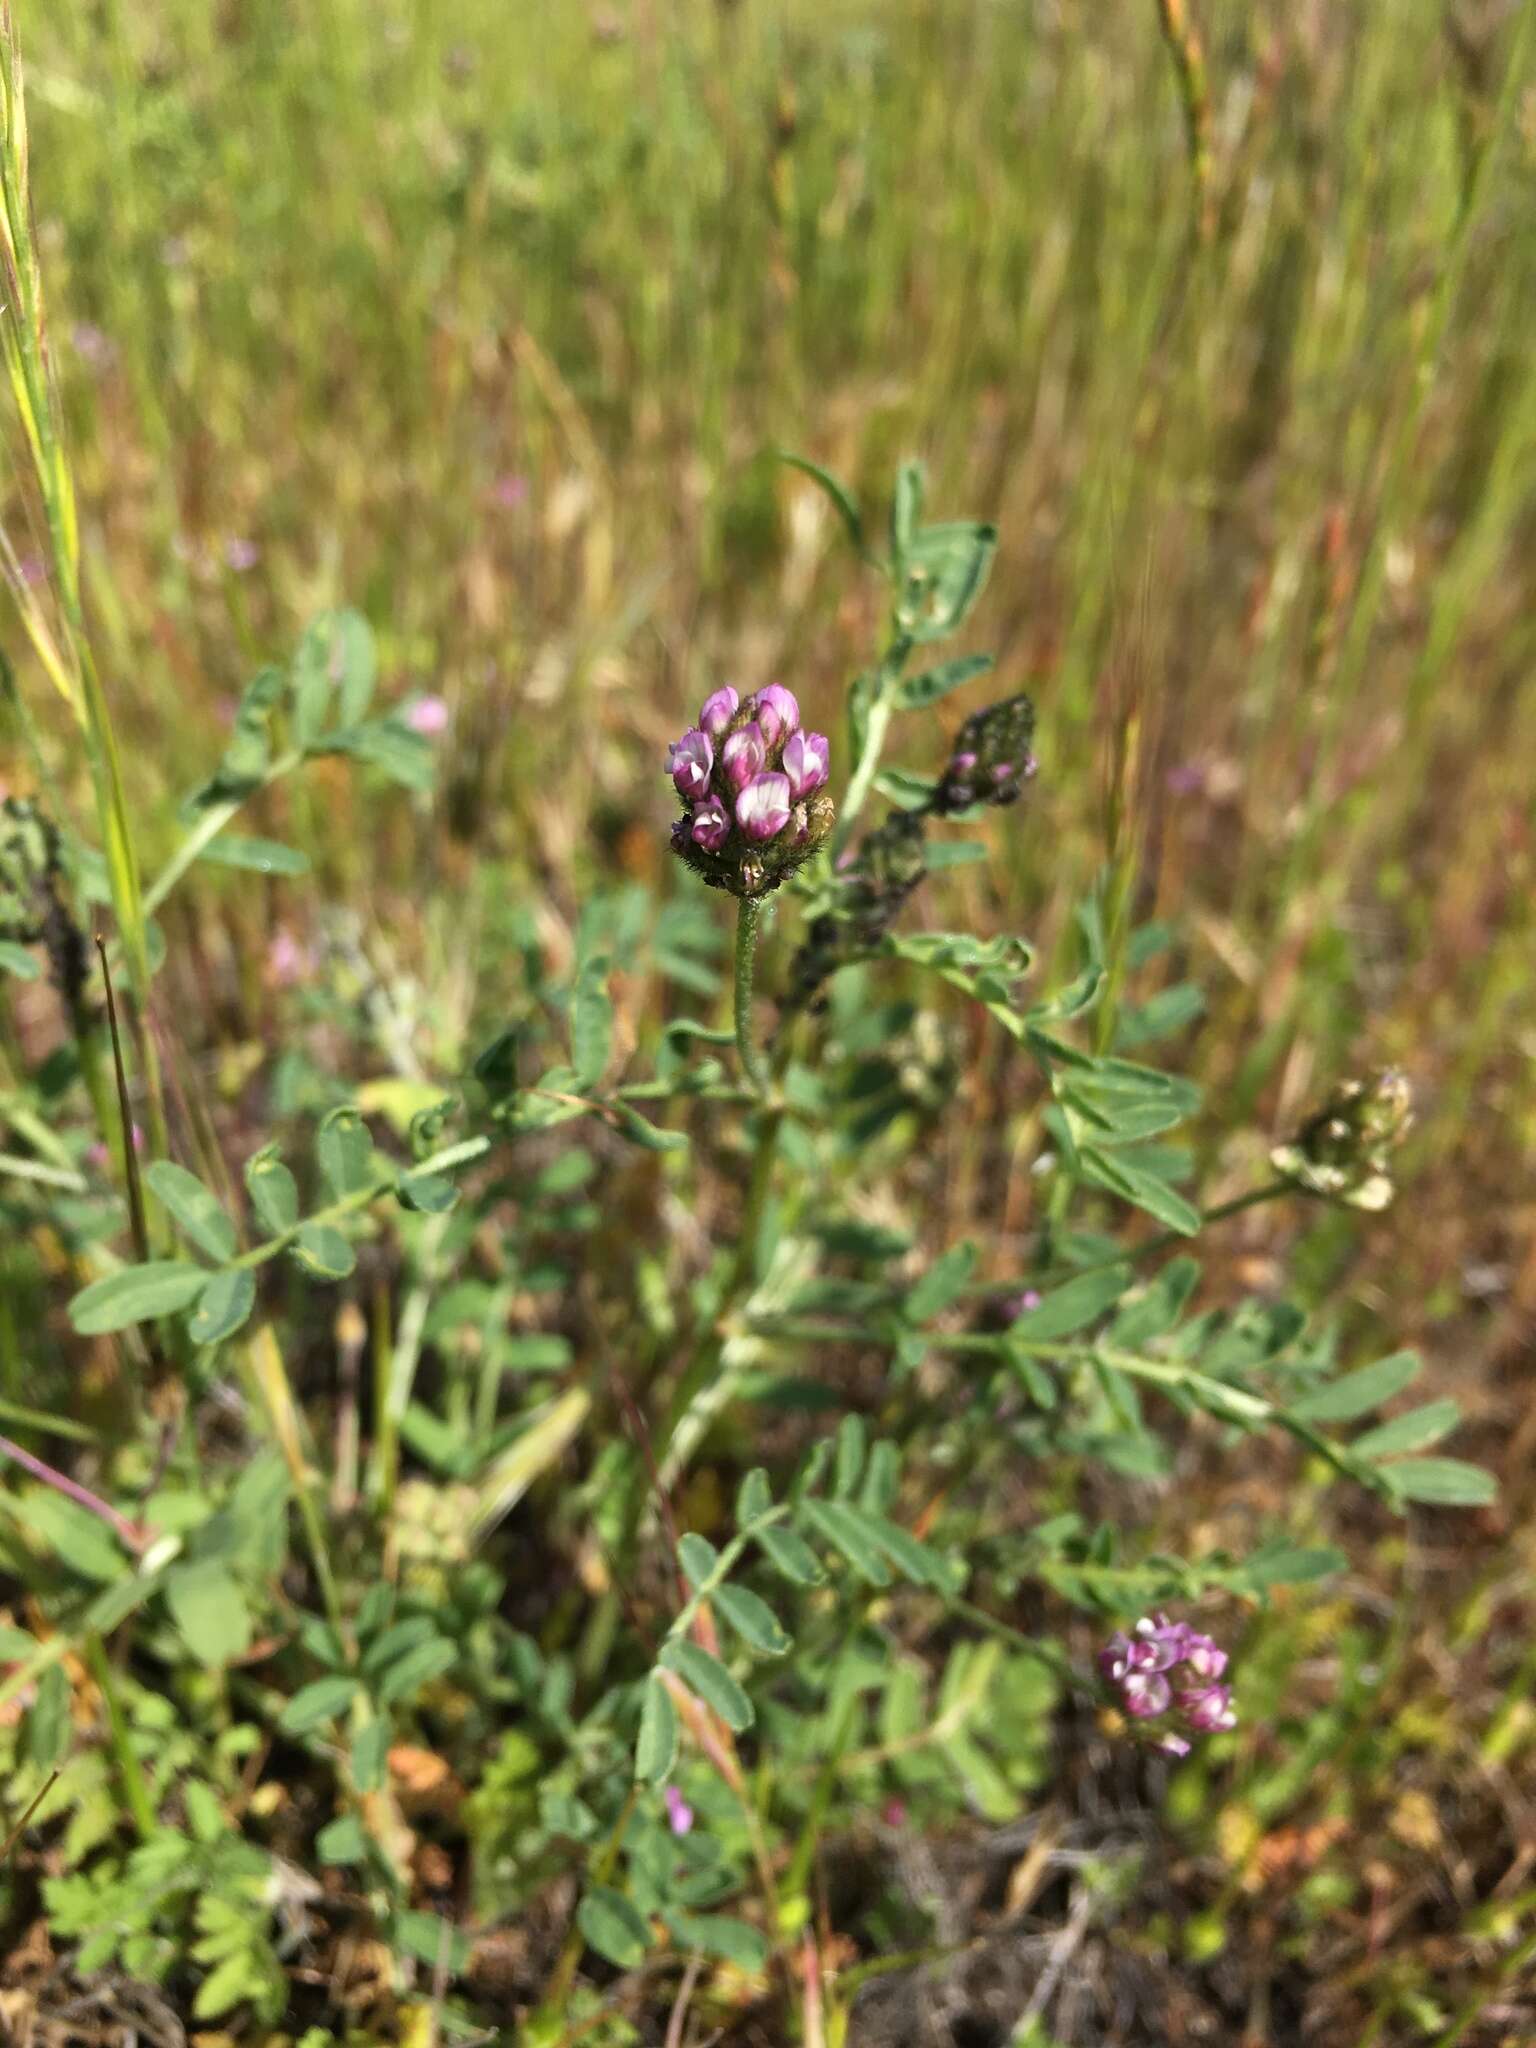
[689,761]
[763,807]
[777,713]
[1343,1152]
[991,761]
[807,761]
[711,825]
[743,756]
[717,711]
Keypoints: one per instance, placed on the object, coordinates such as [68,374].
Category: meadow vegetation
[562,1486]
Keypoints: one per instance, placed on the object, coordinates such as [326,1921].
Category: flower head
[1344,1151]
[752,786]
[428,716]
[1162,1667]
[991,761]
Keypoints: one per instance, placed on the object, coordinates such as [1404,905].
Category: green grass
[1268,493]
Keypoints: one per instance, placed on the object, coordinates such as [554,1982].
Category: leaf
[591,1022]
[344,1152]
[432,1939]
[611,1925]
[656,1747]
[226,1303]
[17,960]
[1072,1306]
[754,1497]
[844,1531]
[1286,1565]
[1442,1482]
[1359,1392]
[708,1677]
[136,1295]
[698,1557]
[429,1194]
[313,1705]
[842,498]
[1147,1190]
[851,1445]
[1415,1431]
[790,1555]
[387,744]
[639,1131]
[915,692]
[942,1284]
[343,1840]
[753,1620]
[193,1207]
[417,1668]
[273,1190]
[913,1559]
[906,509]
[323,1251]
[209,1608]
[716,1934]
[255,856]
[943,571]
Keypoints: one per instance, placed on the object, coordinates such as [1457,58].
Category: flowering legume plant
[679,1532]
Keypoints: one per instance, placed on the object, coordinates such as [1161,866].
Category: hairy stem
[746,961]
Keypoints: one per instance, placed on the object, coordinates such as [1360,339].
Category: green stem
[746,960]
[130,1771]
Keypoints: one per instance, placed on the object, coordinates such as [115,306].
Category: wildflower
[711,825]
[1343,1152]
[751,784]
[763,807]
[241,555]
[679,1812]
[744,755]
[94,348]
[689,761]
[1164,1667]
[510,491]
[717,711]
[428,716]
[807,762]
[991,762]
[778,713]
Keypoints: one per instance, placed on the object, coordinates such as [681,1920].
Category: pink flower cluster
[1164,1666]
[749,778]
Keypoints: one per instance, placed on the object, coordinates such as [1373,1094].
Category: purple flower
[762,808]
[777,712]
[509,491]
[1204,1659]
[743,756]
[689,761]
[1208,1708]
[1163,1664]
[92,346]
[679,1812]
[1145,1694]
[711,825]
[242,555]
[717,711]
[807,761]
[428,716]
